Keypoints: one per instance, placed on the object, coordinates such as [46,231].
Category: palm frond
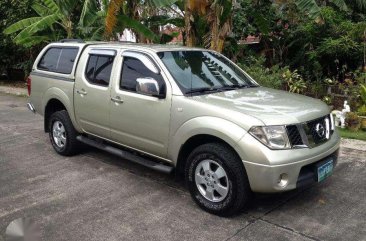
[22,24]
[98,34]
[88,14]
[361,4]
[44,23]
[124,21]
[309,7]
[111,18]
[341,4]
[67,6]
[51,5]
[41,10]
[33,40]
[162,20]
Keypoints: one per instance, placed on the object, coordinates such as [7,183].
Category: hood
[272,107]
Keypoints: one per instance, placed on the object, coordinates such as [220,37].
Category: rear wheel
[63,134]
[217,180]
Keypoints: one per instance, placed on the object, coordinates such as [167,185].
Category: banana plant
[122,14]
[54,16]
[312,9]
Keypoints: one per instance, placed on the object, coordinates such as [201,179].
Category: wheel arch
[55,100]
[192,134]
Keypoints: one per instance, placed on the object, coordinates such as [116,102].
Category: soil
[15,84]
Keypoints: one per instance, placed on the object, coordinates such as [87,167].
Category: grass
[359,135]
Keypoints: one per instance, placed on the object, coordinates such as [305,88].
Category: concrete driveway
[96,196]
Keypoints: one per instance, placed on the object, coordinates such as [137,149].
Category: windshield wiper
[233,87]
[202,90]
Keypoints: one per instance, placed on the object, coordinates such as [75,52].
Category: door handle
[117,99]
[82,92]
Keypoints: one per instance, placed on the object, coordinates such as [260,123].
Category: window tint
[133,69]
[98,69]
[49,60]
[59,60]
[67,60]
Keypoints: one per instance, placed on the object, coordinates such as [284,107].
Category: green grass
[359,135]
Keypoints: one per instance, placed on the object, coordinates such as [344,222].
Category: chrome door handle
[117,99]
[82,92]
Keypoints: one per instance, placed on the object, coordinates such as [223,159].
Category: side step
[126,155]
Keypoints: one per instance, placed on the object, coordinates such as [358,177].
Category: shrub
[267,77]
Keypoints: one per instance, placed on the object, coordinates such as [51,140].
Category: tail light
[29,85]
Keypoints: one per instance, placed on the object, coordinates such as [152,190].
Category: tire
[63,134]
[226,202]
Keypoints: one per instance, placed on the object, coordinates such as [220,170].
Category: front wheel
[217,180]
[63,134]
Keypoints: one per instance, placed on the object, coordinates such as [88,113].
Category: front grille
[312,129]
[311,133]
[294,136]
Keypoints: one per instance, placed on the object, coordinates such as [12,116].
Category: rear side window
[59,60]
[98,69]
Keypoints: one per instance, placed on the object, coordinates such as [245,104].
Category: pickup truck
[187,110]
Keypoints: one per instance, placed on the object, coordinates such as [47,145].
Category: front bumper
[264,166]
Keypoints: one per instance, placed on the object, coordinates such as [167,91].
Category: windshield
[204,71]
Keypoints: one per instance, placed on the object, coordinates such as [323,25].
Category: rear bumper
[31,107]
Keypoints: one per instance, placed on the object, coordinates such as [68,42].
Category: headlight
[274,137]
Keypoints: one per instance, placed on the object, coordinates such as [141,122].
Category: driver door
[137,120]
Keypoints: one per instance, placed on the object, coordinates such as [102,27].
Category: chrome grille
[311,133]
[294,136]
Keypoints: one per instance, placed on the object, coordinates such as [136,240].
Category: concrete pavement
[97,196]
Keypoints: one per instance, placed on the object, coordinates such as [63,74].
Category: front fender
[65,98]
[205,125]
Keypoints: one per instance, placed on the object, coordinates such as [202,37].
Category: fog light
[283,180]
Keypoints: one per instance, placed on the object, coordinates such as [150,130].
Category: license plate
[325,170]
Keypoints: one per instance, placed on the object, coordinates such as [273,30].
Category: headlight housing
[274,137]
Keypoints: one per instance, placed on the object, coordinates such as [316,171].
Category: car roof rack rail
[71,41]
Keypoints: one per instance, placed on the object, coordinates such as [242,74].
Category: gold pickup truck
[187,110]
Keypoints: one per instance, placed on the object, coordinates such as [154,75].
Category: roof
[151,47]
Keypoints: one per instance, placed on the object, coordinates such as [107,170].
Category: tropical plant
[362,111]
[207,23]
[294,81]
[125,14]
[363,93]
[353,121]
[267,77]
[52,15]
[13,56]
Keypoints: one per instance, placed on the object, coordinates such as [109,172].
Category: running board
[126,155]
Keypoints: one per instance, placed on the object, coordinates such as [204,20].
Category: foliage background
[311,47]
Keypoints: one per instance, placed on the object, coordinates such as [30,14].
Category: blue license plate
[325,170]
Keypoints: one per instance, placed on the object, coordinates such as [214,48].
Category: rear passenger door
[92,91]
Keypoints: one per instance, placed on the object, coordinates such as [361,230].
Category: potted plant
[353,121]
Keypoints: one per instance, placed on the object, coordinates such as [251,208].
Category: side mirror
[148,86]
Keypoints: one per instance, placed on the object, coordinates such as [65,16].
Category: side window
[98,69]
[67,60]
[49,60]
[133,69]
[59,60]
